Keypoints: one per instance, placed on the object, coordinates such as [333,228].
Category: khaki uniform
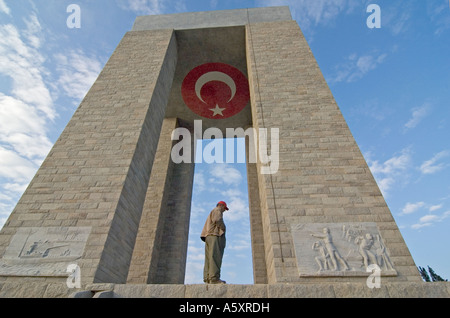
[213,234]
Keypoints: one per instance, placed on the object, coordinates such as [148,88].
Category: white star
[217,111]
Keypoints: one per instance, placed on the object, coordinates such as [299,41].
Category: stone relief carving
[332,254]
[43,251]
[340,249]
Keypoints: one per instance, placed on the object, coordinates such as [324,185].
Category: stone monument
[98,218]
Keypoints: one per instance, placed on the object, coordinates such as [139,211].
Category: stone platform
[54,289]
[335,290]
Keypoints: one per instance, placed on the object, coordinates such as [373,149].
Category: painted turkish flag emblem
[215,90]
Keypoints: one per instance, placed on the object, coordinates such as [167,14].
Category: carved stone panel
[44,251]
[340,249]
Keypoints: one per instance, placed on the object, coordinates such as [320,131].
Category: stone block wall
[322,176]
[97,173]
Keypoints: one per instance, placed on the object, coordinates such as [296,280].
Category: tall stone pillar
[256,223]
[161,245]
[85,202]
[323,183]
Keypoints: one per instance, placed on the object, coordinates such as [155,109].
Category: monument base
[332,290]
[58,289]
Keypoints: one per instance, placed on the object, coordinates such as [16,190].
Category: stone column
[323,180]
[256,223]
[161,245]
[92,185]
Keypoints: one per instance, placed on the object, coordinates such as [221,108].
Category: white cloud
[412,207]
[195,261]
[196,253]
[198,213]
[368,62]
[13,166]
[194,272]
[236,200]
[317,12]
[439,16]
[390,171]
[4,8]
[23,63]
[16,116]
[385,184]
[240,245]
[241,241]
[392,165]
[419,225]
[234,193]
[239,210]
[418,113]
[33,32]
[77,73]
[435,207]
[153,7]
[224,173]
[431,166]
[25,110]
[24,115]
[145,7]
[356,67]
[16,187]
[396,18]
[430,219]
[23,129]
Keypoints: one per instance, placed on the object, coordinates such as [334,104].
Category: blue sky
[391,83]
